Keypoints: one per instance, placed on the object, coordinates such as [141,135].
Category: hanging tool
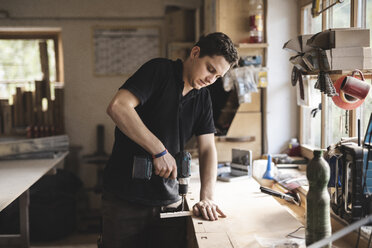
[290,197]
[143,167]
[315,10]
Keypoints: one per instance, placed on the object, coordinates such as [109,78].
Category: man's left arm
[208,174]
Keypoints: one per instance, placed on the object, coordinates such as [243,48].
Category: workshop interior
[293,118]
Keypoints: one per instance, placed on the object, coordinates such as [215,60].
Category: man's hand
[208,209]
[165,166]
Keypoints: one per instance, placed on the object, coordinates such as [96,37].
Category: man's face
[205,71]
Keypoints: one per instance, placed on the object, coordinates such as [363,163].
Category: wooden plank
[264,138]
[299,212]
[254,105]
[29,108]
[59,110]
[251,45]
[175,214]
[238,19]
[215,240]
[6,118]
[243,125]
[44,60]
[18,108]
[38,99]
[250,213]
[246,124]
[54,143]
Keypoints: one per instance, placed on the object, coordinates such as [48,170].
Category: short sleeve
[142,82]
[205,123]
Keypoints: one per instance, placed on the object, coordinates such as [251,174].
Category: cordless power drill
[143,169]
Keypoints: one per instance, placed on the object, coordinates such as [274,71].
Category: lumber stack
[47,147]
[33,112]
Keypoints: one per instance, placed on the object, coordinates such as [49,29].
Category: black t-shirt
[171,117]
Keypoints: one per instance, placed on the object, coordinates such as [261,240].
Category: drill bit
[183,203]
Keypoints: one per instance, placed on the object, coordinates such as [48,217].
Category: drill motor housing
[143,169]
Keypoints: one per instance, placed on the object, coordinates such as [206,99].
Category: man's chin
[196,86]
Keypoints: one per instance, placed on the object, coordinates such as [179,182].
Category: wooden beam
[353,126]
[175,214]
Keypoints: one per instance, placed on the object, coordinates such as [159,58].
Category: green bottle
[318,219]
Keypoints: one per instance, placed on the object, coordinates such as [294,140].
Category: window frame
[17,33]
[357,19]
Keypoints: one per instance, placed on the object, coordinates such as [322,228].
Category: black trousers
[127,224]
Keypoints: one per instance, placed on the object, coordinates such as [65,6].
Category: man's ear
[195,52]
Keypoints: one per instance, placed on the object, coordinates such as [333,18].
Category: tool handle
[183,160]
[272,192]
[143,166]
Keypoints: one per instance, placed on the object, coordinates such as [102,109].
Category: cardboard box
[350,58]
[351,52]
[351,63]
[340,37]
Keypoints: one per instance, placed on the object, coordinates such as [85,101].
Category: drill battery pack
[142,168]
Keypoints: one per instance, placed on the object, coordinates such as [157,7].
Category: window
[311,127]
[337,122]
[311,25]
[339,15]
[367,106]
[31,82]
[20,64]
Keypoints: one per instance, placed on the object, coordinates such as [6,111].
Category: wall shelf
[250,118]
[251,45]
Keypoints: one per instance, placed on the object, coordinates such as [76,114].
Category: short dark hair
[218,44]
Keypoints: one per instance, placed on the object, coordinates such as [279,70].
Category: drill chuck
[183,160]
[183,185]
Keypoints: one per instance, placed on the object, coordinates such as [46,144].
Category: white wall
[87,96]
[282,112]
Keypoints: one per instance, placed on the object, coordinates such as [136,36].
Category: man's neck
[186,80]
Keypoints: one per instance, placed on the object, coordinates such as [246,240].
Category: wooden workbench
[16,177]
[251,215]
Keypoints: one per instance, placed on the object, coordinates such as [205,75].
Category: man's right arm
[122,111]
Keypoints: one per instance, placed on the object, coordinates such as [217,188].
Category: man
[156,112]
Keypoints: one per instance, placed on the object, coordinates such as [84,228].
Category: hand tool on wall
[143,167]
[315,10]
[290,197]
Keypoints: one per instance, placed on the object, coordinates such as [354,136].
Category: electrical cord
[367,163]
[357,243]
[293,236]
[365,183]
